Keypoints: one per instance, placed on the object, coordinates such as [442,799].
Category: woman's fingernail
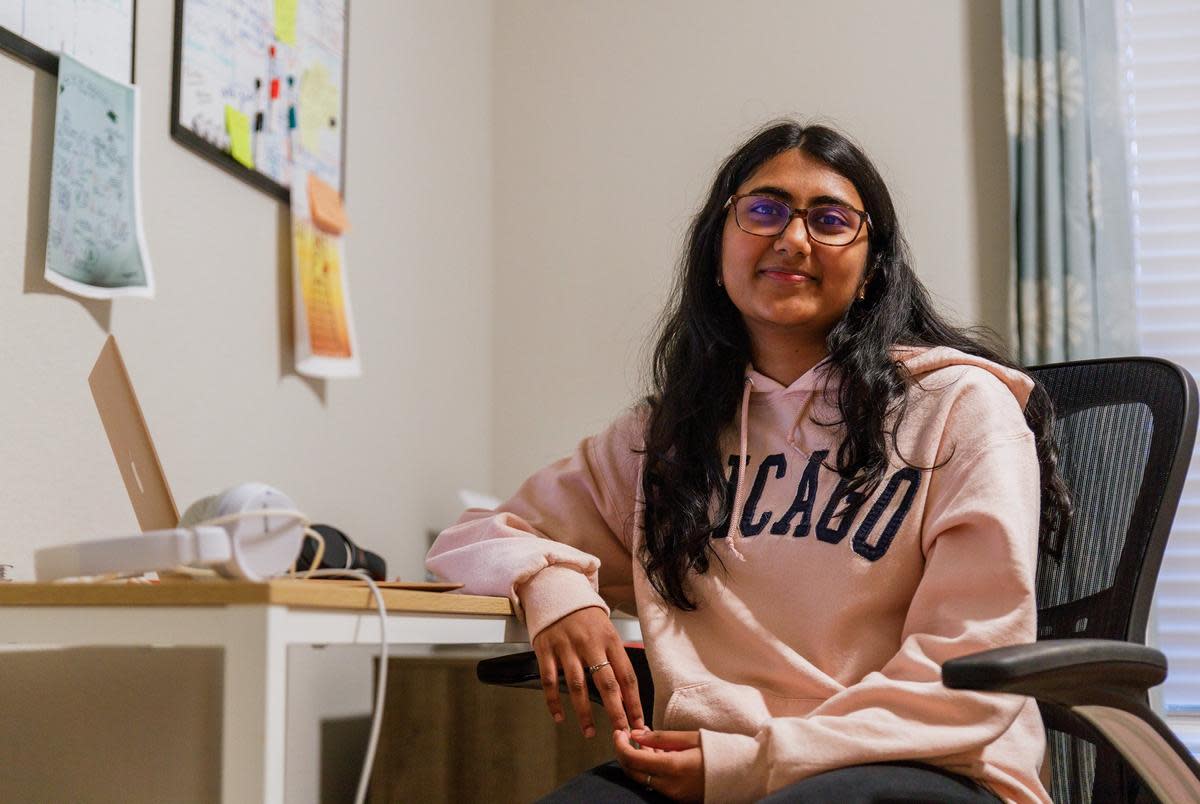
[589,732]
[558,717]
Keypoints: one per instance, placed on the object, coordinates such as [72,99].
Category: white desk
[254,624]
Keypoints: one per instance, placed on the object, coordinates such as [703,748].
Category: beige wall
[382,455]
[586,130]
[610,120]
[571,141]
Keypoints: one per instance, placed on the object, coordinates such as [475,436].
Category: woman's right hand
[572,644]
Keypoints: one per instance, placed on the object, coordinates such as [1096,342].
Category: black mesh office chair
[1125,429]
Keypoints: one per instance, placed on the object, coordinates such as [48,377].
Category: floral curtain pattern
[1072,226]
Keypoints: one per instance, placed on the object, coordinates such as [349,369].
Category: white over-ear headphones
[250,532]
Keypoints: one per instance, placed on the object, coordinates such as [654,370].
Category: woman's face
[789,284]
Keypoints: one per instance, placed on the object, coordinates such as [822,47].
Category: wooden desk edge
[292,593]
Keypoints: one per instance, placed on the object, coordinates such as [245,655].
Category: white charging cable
[380,606]
[381,684]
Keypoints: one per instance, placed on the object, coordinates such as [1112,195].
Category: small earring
[720,283]
[862,293]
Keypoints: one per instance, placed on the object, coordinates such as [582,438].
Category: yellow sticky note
[285,21]
[325,206]
[238,126]
[318,109]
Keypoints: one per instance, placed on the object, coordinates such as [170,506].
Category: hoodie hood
[922,360]
[918,360]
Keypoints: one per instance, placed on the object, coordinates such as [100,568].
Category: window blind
[1162,81]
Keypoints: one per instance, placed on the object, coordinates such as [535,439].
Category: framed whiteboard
[255,66]
[99,33]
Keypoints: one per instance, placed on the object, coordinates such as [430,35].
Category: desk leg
[254,709]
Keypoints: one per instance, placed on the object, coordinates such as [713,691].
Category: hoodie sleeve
[561,543]
[976,592]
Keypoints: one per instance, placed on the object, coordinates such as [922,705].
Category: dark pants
[892,782]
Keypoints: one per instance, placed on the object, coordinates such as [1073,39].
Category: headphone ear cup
[201,510]
[341,553]
[262,546]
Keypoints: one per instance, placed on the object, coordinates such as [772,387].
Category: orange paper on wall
[324,340]
[321,288]
[325,206]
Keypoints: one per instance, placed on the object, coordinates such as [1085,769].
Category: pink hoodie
[819,643]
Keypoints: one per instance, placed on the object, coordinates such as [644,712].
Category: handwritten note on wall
[95,244]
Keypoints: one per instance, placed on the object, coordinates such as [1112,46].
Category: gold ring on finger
[649,776]
[592,668]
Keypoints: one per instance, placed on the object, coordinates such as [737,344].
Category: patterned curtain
[1072,224]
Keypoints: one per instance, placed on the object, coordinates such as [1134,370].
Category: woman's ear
[874,267]
[868,275]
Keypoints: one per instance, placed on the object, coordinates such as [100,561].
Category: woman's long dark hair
[703,348]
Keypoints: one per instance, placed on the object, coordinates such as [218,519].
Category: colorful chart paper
[320,269]
[325,342]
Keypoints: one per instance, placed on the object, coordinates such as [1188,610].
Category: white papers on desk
[477,499]
[95,245]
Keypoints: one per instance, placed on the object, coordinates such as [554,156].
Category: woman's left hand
[670,762]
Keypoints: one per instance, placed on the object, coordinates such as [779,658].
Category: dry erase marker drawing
[265,60]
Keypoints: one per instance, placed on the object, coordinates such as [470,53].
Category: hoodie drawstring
[792,440]
[735,532]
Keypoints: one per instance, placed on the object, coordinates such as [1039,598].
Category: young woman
[828,493]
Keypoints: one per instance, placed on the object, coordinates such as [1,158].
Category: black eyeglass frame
[864,218]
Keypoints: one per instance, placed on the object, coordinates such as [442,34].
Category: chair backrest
[1125,429]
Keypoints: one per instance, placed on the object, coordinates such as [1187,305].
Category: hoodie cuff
[732,770]
[553,593]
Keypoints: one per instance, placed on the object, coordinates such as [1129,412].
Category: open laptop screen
[130,440]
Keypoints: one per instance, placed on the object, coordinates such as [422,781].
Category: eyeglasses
[829,224]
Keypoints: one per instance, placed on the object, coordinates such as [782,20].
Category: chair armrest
[1102,682]
[1069,672]
[521,670]
[512,670]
